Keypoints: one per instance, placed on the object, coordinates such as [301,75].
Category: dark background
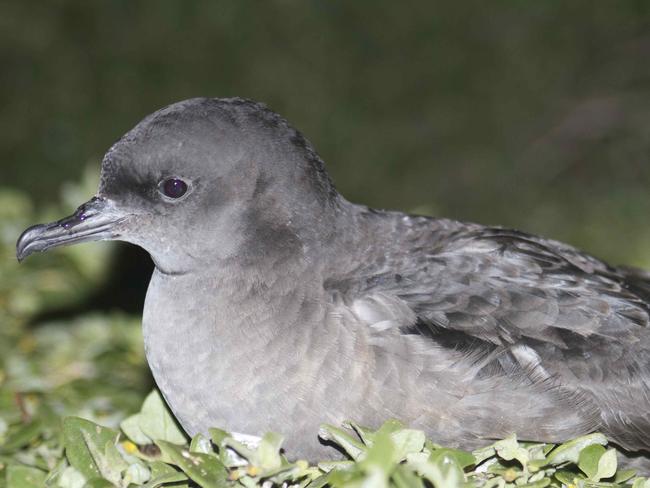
[534,115]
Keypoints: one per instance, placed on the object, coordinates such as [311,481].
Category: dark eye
[173,187]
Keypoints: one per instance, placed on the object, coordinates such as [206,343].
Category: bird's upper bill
[95,220]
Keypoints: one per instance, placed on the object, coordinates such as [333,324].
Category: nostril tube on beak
[84,212]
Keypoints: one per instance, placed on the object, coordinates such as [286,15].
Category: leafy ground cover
[75,407]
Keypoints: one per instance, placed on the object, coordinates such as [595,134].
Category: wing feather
[561,316]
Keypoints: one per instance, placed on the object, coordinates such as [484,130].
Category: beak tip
[20,256]
[22,246]
[28,242]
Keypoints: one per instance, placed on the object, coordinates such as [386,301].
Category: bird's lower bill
[95,220]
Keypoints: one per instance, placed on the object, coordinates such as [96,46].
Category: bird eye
[173,187]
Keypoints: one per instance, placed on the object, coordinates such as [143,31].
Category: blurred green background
[526,114]
[534,115]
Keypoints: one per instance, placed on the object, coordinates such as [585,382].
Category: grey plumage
[278,305]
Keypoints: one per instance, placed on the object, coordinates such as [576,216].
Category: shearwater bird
[278,305]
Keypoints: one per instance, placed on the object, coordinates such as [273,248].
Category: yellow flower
[129,447]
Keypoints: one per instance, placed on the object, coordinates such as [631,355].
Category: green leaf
[163,473]
[509,449]
[19,476]
[536,484]
[366,435]
[205,470]
[158,468]
[535,465]
[290,472]
[99,483]
[624,475]
[606,465]
[136,474]
[390,426]
[381,457]
[570,451]
[537,477]
[375,478]
[240,448]
[65,476]
[156,422]
[268,451]
[442,471]
[111,463]
[345,441]
[202,444]
[220,438]
[407,441]
[484,453]
[131,427]
[588,460]
[405,478]
[83,441]
[565,477]
[327,466]
[319,482]
[18,436]
[462,458]
[641,483]
[218,435]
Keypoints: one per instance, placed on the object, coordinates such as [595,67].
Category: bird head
[199,182]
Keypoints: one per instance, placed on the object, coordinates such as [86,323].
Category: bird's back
[544,323]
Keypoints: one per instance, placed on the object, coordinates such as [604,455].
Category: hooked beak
[95,220]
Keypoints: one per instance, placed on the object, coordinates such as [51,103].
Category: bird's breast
[246,359]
